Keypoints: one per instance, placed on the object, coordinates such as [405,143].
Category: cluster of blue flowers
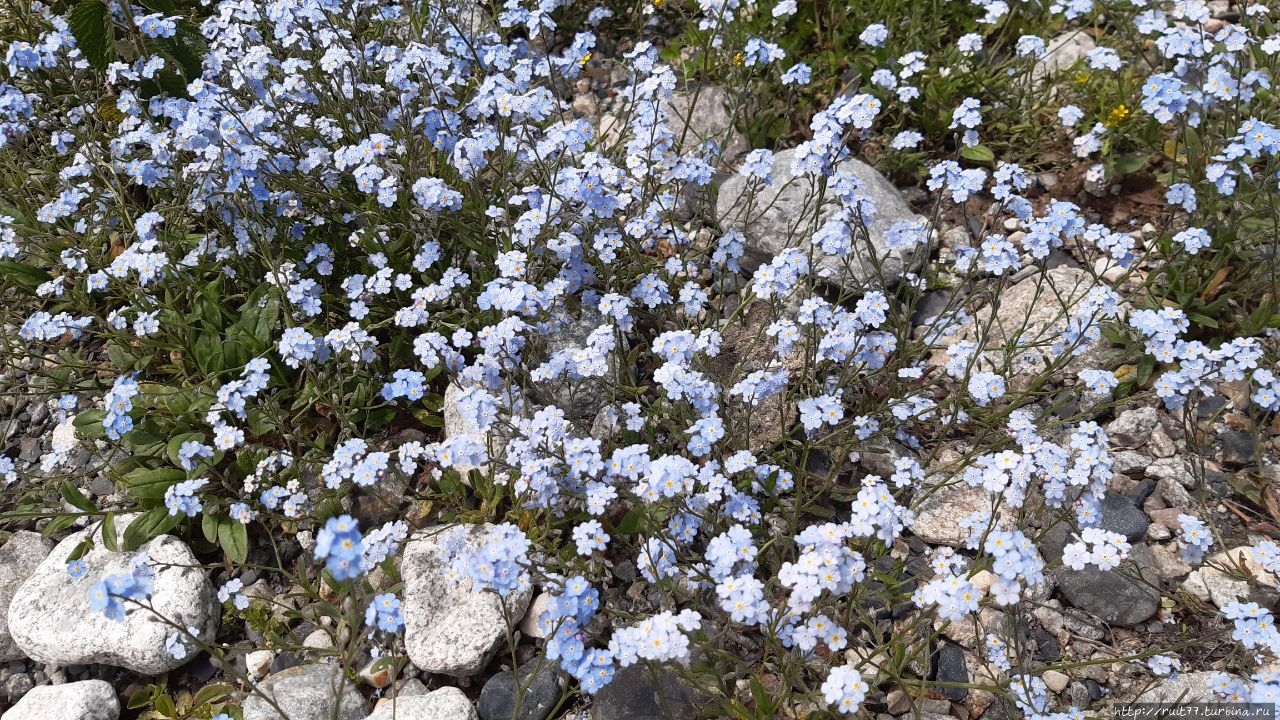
[119,403]
[341,546]
[111,594]
[384,613]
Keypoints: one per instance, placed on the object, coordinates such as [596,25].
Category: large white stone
[1062,53]
[780,215]
[87,700]
[18,559]
[50,619]
[306,692]
[703,114]
[1026,321]
[450,628]
[444,704]
[938,516]
[1192,687]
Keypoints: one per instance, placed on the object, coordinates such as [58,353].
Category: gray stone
[949,667]
[1131,428]
[1174,469]
[1123,596]
[1189,687]
[1062,53]
[579,397]
[258,663]
[780,215]
[444,704]
[1028,321]
[18,559]
[744,350]
[632,695]
[307,692]
[450,628]
[51,622]
[1057,681]
[467,16]
[531,625]
[705,114]
[455,425]
[937,517]
[1120,515]
[17,686]
[87,700]
[538,687]
[1238,448]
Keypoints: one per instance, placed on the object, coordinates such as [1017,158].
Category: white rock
[18,559]
[1160,444]
[258,663]
[1172,469]
[1108,269]
[1062,53]
[781,216]
[87,700]
[938,516]
[529,626]
[307,692]
[704,114]
[1183,688]
[1131,428]
[51,622]
[582,397]
[455,425]
[449,628]
[1030,317]
[1243,558]
[318,640]
[1056,681]
[1209,583]
[444,704]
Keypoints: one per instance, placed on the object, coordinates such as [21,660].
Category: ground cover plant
[619,360]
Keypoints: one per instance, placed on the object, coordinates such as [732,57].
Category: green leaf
[110,539]
[1114,335]
[72,495]
[145,484]
[260,322]
[81,549]
[1195,148]
[88,424]
[233,538]
[209,353]
[211,693]
[1145,367]
[90,23]
[428,418]
[58,524]
[150,524]
[1132,163]
[27,275]
[121,358]
[978,153]
[209,523]
[1202,320]
[631,523]
[165,706]
[140,699]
